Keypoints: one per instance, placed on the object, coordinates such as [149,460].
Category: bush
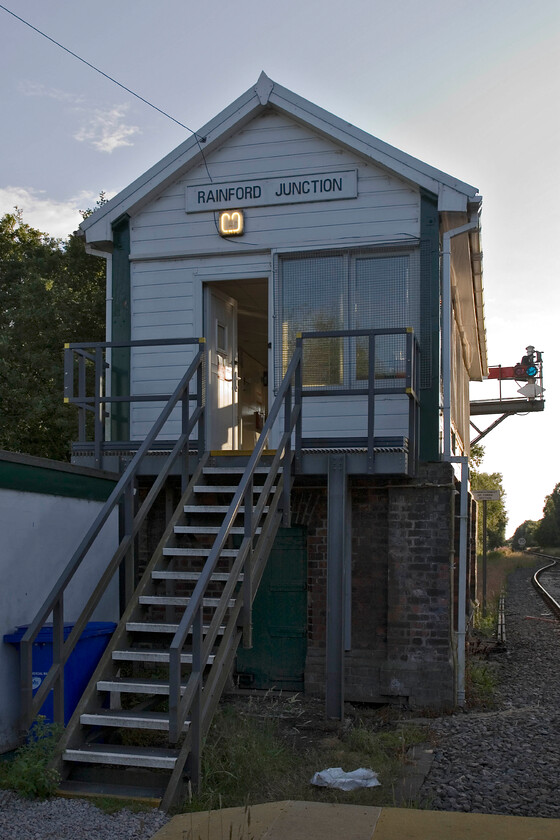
[28,772]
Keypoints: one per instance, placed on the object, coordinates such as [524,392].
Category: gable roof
[453,195]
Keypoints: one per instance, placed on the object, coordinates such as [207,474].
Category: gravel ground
[507,761]
[68,819]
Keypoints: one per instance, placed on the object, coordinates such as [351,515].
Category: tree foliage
[51,292]
[526,531]
[496,516]
[548,530]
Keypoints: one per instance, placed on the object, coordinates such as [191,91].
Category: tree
[496,516]
[526,531]
[548,531]
[51,292]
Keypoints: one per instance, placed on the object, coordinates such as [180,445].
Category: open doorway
[237,318]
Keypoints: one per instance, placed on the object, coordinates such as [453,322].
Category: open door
[221,335]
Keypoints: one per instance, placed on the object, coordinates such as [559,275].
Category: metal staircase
[118,741]
[140,724]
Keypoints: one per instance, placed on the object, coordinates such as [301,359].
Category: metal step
[149,796]
[220,577]
[161,627]
[197,552]
[154,721]
[236,470]
[178,601]
[127,685]
[221,488]
[163,759]
[153,656]
[209,529]
[215,509]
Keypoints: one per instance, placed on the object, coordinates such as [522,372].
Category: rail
[380,375]
[85,384]
[551,602]
[123,493]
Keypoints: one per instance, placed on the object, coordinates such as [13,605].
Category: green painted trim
[120,327]
[430,291]
[52,478]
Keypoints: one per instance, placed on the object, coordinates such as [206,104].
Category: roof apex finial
[263,88]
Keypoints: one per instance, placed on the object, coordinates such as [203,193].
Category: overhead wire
[199,138]
[102,73]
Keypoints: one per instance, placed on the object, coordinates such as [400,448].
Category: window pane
[383,299]
[313,291]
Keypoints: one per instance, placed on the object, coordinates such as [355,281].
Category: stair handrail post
[30,701]
[287,457]
[196,706]
[248,528]
[185,406]
[200,377]
[174,694]
[99,424]
[298,401]
[371,403]
[58,645]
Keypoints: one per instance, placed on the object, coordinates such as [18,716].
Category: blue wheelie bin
[79,667]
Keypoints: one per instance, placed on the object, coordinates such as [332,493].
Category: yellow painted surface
[276,821]
[322,821]
[407,824]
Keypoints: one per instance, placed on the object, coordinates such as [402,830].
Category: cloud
[36,89]
[57,218]
[106,130]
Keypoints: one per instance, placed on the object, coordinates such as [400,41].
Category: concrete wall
[40,532]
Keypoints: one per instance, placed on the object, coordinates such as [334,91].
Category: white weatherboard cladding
[275,146]
[174,252]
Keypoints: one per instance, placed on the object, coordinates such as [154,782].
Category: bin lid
[45,635]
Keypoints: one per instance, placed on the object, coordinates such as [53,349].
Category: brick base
[402,588]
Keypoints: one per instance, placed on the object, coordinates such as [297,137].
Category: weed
[243,761]
[480,684]
[486,625]
[268,750]
[28,772]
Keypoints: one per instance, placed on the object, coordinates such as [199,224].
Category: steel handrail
[54,602]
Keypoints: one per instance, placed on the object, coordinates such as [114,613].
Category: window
[313,298]
[374,290]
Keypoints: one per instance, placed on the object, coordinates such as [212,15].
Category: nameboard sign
[290,189]
[486,495]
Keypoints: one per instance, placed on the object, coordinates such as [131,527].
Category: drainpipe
[108,334]
[462,591]
[447,305]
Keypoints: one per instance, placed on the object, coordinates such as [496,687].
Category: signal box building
[312,264]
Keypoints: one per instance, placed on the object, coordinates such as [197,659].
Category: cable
[198,138]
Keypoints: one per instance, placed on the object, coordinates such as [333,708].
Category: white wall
[39,535]
[173,253]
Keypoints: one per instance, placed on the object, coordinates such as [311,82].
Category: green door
[277,658]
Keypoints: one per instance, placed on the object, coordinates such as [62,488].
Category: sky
[468,86]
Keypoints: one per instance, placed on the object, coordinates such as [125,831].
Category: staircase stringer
[71,734]
[221,668]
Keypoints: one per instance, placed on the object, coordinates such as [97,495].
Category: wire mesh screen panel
[385,295]
[348,291]
[313,299]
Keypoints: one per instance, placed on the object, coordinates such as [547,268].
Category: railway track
[547,582]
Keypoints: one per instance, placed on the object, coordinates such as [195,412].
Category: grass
[499,565]
[27,771]
[480,684]
[250,758]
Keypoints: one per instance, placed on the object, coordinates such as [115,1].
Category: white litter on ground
[335,777]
